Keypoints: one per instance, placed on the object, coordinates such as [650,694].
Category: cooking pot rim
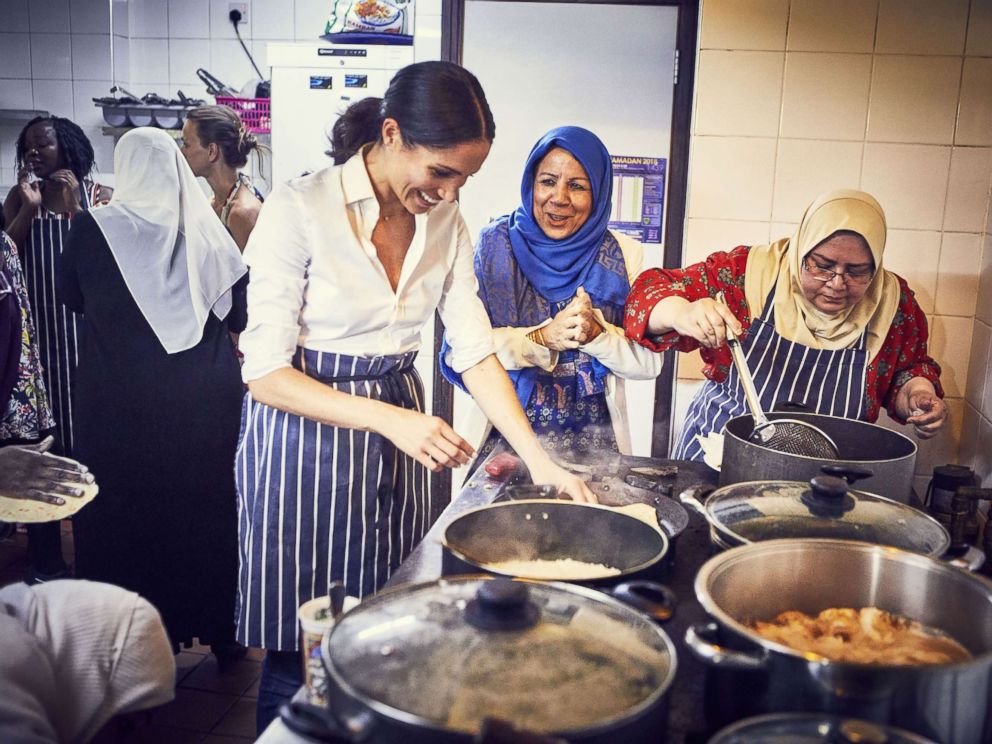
[412,719]
[726,733]
[799,415]
[654,560]
[742,552]
[729,538]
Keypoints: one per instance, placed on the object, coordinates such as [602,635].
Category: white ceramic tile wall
[89,16]
[15,55]
[16,16]
[51,56]
[49,16]
[890,96]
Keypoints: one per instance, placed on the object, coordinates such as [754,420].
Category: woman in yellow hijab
[821,322]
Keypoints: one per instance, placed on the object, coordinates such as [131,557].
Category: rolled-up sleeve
[466,322]
[278,255]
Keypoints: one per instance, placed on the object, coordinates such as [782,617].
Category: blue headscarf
[556,268]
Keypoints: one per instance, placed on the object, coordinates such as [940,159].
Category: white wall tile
[89,16]
[914,99]
[122,18]
[121,68]
[189,19]
[426,7]
[229,63]
[909,181]
[274,19]
[49,16]
[983,310]
[51,56]
[16,94]
[950,345]
[720,166]
[16,16]
[310,19]
[978,371]
[91,56]
[837,26]
[426,46]
[744,24]
[804,169]
[15,55]
[749,84]
[185,56]
[968,189]
[921,26]
[704,237]
[826,95]
[259,50]
[914,255]
[428,27]
[779,230]
[220,26]
[980,29]
[8,140]
[149,61]
[968,447]
[54,96]
[149,19]
[941,449]
[975,110]
[88,116]
[103,150]
[958,273]
[983,457]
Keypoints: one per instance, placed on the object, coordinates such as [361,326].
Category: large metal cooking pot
[889,456]
[825,507]
[431,662]
[812,728]
[750,675]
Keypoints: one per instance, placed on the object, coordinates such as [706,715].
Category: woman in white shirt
[347,264]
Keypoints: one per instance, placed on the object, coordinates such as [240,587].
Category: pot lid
[812,728]
[824,507]
[546,658]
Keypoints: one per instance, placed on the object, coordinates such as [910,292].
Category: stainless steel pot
[432,662]
[751,675]
[812,728]
[888,455]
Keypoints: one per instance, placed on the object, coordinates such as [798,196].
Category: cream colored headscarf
[780,265]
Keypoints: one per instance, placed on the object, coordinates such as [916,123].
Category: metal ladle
[782,435]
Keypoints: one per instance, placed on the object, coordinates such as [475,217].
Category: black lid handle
[502,604]
[651,598]
[827,497]
[851,473]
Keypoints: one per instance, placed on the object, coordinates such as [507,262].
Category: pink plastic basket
[254,112]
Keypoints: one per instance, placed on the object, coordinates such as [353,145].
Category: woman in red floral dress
[821,323]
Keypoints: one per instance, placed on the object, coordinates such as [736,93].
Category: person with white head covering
[821,321]
[73,656]
[160,284]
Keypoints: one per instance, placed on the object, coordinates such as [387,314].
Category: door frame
[452,35]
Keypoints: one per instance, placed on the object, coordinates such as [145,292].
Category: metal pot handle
[319,724]
[700,640]
[695,497]
[650,597]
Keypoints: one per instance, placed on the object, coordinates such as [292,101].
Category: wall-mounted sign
[638,196]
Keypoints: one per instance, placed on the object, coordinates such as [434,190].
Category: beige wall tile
[837,26]
[744,24]
[826,95]
[983,309]
[975,109]
[950,345]
[690,366]
[968,446]
[704,237]
[731,178]
[978,372]
[982,463]
[914,99]
[921,26]
[782,230]
[804,169]
[980,29]
[739,93]
[909,181]
[914,255]
[943,448]
[957,274]
[968,189]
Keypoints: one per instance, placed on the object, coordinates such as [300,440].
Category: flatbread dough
[30,511]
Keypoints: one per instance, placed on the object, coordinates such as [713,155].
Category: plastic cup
[315,620]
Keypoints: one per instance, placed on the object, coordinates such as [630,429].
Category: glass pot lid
[812,728]
[542,657]
[823,507]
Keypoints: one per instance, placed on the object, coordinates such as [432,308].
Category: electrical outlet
[242,8]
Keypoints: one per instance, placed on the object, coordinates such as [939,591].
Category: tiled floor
[210,706]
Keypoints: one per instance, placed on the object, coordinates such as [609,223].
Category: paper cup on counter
[315,620]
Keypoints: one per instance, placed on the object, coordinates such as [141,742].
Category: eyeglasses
[851,276]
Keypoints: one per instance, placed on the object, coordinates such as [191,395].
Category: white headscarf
[177,259]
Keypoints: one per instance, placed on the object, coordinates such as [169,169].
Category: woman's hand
[705,320]
[573,326]
[66,191]
[29,472]
[427,439]
[573,486]
[28,191]
[924,410]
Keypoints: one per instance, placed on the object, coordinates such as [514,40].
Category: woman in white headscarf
[159,283]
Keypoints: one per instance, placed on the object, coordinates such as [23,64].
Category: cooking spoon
[783,435]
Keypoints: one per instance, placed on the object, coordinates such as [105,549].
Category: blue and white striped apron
[831,382]
[319,503]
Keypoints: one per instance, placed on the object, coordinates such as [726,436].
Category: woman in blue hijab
[554,280]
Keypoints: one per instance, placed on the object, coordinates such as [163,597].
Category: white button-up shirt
[317,282]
